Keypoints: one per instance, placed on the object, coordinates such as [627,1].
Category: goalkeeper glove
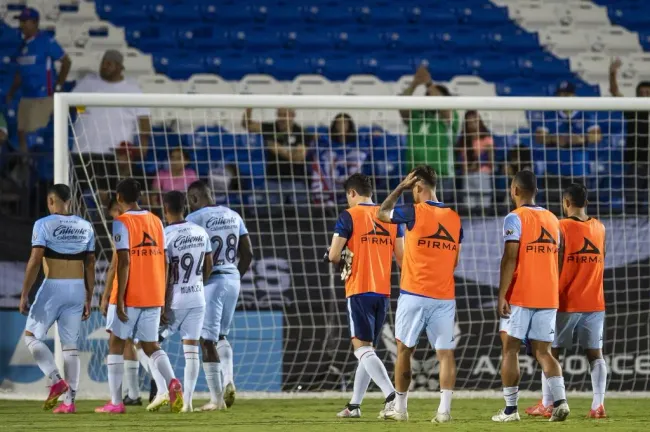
[345,265]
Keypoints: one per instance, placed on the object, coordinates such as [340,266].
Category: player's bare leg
[447,363]
[45,360]
[160,361]
[544,407]
[509,378]
[598,382]
[191,352]
[403,377]
[553,372]
[115,366]
[131,377]
[213,375]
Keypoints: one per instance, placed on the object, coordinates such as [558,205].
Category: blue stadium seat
[307,41]
[338,15]
[202,37]
[124,13]
[632,16]
[176,13]
[409,40]
[228,14]
[380,15]
[462,41]
[234,67]
[255,40]
[514,40]
[443,68]
[520,87]
[484,15]
[493,67]
[390,67]
[179,65]
[337,68]
[150,37]
[285,66]
[430,17]
[283,15]
[545,66]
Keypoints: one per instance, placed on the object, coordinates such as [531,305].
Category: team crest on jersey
[441,239]
[509,232]
[545,243]
[588,254]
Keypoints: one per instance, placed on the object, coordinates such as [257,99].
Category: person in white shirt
[98,131]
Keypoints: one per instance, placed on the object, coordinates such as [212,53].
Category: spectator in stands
[286,151]
[177,176]
[637,137]
[474,149]
[35,76]
[432,134]
[336,158]
[126,165]
[99,130]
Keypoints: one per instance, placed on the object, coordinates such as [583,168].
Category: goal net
[280,162]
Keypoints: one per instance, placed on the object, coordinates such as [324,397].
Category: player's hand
[86,313]
[164,317]
[503,308]
[121,313]
[103,306]
[408,182]
[421,76]
[24,305]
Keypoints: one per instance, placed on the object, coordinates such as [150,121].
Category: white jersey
[225,227]
[64,236]
[186,245]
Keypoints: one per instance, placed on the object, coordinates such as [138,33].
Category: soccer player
[189,254]
[364,250]
[427,290]
[65,245]
[230,240]
[528,295]
[135,306]
[582,299]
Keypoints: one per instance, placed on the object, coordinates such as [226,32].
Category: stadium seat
[519,87]
[255,40]
[584,15]
[202,37]
[207,84]
[636,66]
[260,84]
[462,41]
[179,64]
[123,13]
[137,63]
[313,85]
[545,66]
[285,66]
[533,16]
[485,15]
[632,16]
[150,37]
[83,63]
[625,86]
[591,67]
[100,36]
[513,40]
[565,42]
[493,67]
[158,84]
[369,85]
[176,13]
[73,12]
[337,69]
[308,41]
[616,41]
[471,86]
[403,82]
[430,17]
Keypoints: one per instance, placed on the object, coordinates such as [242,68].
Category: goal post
[290,330]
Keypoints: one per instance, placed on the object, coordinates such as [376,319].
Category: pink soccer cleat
[539,410]
[109,408]
[598,413]
[175,395]
[65,409]
[56,391]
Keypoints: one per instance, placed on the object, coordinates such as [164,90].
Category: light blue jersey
[225,227]
[64,236]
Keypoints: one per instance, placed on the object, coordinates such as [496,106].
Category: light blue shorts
[588,325]
[188,322]
[530,324]
[60,301]
[221,295]
[142,324]
[415,314]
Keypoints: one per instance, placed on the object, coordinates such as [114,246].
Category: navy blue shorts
[367,314]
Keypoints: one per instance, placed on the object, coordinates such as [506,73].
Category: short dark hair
[129,189]
[61,191]
[640,85]
[526,181]
[174,202]
[198,187]
[577,194]
[111,203]
[360,183]
[442,89]
[427,175]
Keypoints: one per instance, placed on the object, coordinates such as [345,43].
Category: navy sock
[510,410]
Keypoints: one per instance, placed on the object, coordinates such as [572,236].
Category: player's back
[372,243]
[535,280]
[66,240]
[430,251]
[583,266]
[225,227]
[141,233]
[186,246]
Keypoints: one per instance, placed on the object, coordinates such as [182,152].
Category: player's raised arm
[512,234]
[384,213]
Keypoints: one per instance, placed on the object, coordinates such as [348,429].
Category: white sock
[71,371]
[213,377]
[445,401]
[401,401]
[158,378]
[160,359]
[143,359]
[598,382]
[361,383]
[115,365]
[547,397]
[556,384]
[225,357]
[375,369]
[191,372]
[511,395]
[131,379]
[44,358]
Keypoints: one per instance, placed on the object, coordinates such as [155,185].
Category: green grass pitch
[317,415]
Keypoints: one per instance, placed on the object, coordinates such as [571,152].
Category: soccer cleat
[560,413]
[188,409]
[389,405]
[158,402]
[109,408]
[350,411]
[539,410]
[598,413]
[211,406]
[229,394]
[442,418]
[153,391]
[175,395]
[57,389]
[502,417]
[132,402]
[393,414]
[65,409]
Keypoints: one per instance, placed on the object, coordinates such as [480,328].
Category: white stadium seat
[207,84]
[504,122]
[403,83]
[616,41]
[137,63]
[365,85]
[158,84]
[260,84]
[591,67]
[636,66]
[113,39]
[564,42]
[584,15]
[315,85]
[470,85]
[625,86]
[83,63]
[86,12]
[534,16]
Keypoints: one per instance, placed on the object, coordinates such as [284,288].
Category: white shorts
[188,322]
[530,324]
[221,295]
[415,313]
[60,301]
[142,324]
[589,326]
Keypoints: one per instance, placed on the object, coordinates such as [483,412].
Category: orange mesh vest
[145,286]
[372,244]
[430,251]
[535,281]
[583,268]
